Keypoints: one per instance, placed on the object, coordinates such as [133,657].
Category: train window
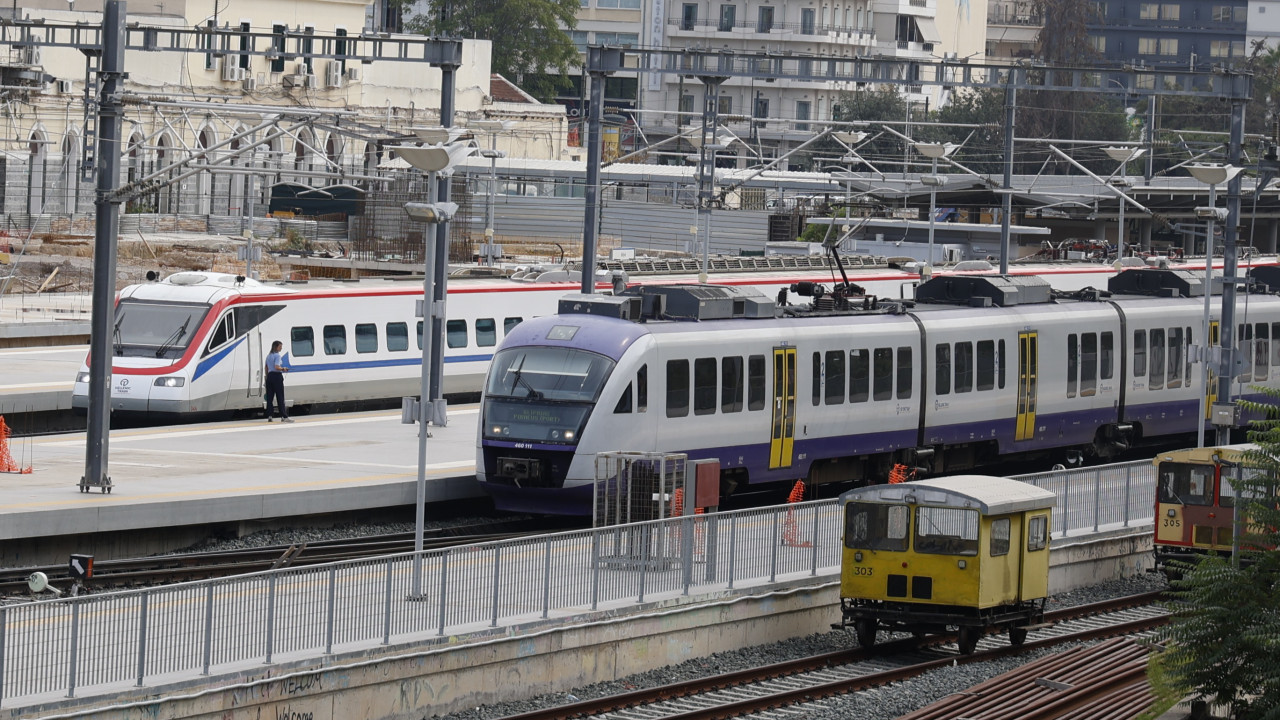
[1275,346]
[882,383]
[1037,532]
[876,526]
[1186,356]
[904,372]
[946,531]
[704,386]
[302,342]
[1106,361]
[731,384]
[335,340]
[835,378]
[677,388]
[1139,353]
[222,333]
[1155,380]
[509,324]
[1174,377]
[486,332]
[986,364]
[755,382]
[859,375]
[817,379]
[1261,350]
[942,369]
[1088,364]
[419,334]
[1184,484]
[366,338]
[1244,337]
[1073,369]
[642,388]
[964,367]
[251,316]
[624,403]
[455,333]
[1000,536]
[397,337]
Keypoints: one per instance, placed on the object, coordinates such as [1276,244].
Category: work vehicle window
[704,386]
[302,342]
[755,382]
[859,375]
[1037,532]
[876,526]
[904,372]
[366,338]
[1185,484]
[677,388]
[1000,537]
[455,333]
[835,378]
[486,332]
[397,337]
[335,340]
[731,384]
[946,531]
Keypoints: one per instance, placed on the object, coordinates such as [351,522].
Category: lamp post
[1122,155]
[493,127]
[707,186]
[433,160]
[933,180]
[1211,175]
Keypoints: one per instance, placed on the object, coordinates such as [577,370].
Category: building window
[1149,11]
[689,16]
[725,106]
[1170,12]
[802,113]
[806,21]
[579,38]
[728,17]
[1147,46]
[764,22]
[1168,46]
[760,111]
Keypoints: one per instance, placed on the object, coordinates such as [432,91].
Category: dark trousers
[275,389]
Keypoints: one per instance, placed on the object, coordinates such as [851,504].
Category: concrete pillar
[1269,237]
[1144,235]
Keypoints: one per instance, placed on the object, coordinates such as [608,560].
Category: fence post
[813,568]
[386,606]
[1128,476]
[4,631]
[444,585]
[686,552]
[733,547]
[497,579]
[142,639]
[595,569]
[208,629]
[271,617]
[332,610]
[646,541]
[773,559]
[1097,499]
[546,581]
[75,642]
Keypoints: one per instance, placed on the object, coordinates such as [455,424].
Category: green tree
[1225,635]
[531,45]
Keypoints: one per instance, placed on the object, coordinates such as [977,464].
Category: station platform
[38,379]
[234,474]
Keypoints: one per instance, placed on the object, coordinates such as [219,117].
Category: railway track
[784,689]
[162,569]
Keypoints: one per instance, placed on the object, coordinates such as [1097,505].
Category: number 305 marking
[1172,522]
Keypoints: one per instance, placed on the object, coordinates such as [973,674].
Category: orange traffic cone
[7,463]
[790,530]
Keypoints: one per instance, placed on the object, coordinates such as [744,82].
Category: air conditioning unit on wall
[231,72]
[249,84]
[333,74]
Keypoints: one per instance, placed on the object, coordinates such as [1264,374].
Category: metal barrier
[167,633]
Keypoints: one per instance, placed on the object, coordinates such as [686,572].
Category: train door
[782,441]
[254,382]
[1028,369]
[1211,388]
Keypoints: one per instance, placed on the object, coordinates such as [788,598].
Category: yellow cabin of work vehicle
[965,553]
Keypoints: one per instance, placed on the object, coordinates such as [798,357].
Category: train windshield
[1185,484]
[152,329]
[542,394]
[946,531]
[876,526]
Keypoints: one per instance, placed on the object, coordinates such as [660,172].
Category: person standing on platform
[276,369]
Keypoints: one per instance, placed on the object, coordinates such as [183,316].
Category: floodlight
[934,180]
[432,158]
[432,213]
[1124,154]
[1212,173]
[934,150]
[491,126]
[436,135]
[849,138]
[1212,213]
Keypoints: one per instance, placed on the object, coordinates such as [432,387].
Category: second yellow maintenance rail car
[968,553]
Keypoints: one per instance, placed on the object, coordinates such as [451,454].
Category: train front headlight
[171,381]
[962,564]
[857,557]
[568,434]
[82,377]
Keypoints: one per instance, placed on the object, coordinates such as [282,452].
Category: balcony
[679,26]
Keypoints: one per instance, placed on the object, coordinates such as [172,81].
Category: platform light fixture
[491,252]
[933,180]
[1123,155]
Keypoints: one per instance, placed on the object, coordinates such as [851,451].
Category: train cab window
[704,386]
[486,332]
[335,340]
[835,378]
[882,382]
[817,379]
[904,372]
[946,531]
[1107,357]
[1037,532]
[642,388]
[224,331]
[1261,351]
[1174,377]
[419,334]
[455,333]
[624,403]
[1088,364]
[1155,381]
[859,376]
[677,388]
[1000,536]
[1139,353]
[876,526]
[1073,363]
[509,324]
[986,365]
[942,369]
[302,342]
[1185,484]
[731,384]
[397,337]
[366,338]
[964,367]
[755,382]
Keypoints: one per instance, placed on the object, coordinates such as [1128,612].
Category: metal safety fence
[116,640]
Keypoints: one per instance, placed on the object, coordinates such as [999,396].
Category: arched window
[204,179]
[38,159]
[70,183]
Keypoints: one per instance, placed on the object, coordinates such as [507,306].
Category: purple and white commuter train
[974,371]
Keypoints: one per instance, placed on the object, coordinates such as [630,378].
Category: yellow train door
[1211,383]
[784,408]
[1028,364]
